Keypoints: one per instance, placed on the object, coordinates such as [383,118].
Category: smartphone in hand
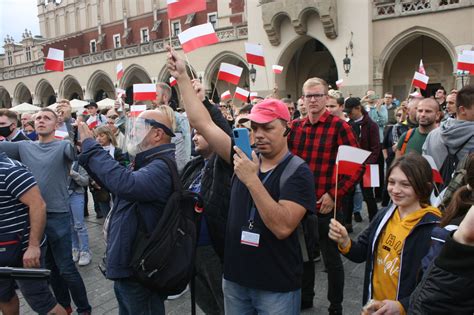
[241,139]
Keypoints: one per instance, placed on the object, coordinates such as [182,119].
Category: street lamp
[253,74]
[346,62]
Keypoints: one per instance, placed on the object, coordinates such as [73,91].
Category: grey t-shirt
[50,164]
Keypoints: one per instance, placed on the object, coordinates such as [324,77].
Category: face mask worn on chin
[5,131]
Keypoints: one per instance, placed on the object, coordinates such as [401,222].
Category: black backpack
[450,164]
[163,259]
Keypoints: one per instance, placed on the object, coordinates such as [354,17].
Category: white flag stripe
[144,88]
[374,175]
[138,108]
[254,49]
[430,160]
[242,92]
[421,77]
[466,58]
[60,134]
[56,54]
[352,154]
[468,52]
[171,1]
[196,31]
[277,67]
[234,70]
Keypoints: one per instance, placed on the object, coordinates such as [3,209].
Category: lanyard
[264,180]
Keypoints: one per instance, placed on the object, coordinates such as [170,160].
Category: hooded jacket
[455,136]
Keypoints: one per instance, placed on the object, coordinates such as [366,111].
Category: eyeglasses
[316,96]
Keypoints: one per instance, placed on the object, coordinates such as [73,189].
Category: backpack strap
[408,136]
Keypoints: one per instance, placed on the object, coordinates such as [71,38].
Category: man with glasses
[391,107]
[327,133]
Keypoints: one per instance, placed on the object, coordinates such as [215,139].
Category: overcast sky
[15,16]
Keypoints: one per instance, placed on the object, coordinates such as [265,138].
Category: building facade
[383,40]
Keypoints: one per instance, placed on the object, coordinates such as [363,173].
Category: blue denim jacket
[148,183]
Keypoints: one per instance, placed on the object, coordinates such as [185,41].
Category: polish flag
[466,61]
[197,36]
[135,110]
[119,70]
[229,73]
[144,92]
[434,169]
[241,94]
[254,53]
[420,80]
[253,95]
[173,81]
[277,69]
[177,8]
[55,60]
[92,122]
[226,95]
[371,176]
[421,68]
[60,134]
[349,159]
[339,83]
[120,92]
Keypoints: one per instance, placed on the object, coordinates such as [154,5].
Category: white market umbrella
[106,103]
[53,106]
[78,105]
[25,108]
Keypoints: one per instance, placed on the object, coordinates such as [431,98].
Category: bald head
[427,113]
[160,117]
[412,106]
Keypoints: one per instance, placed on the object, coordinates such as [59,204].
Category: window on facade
[93,46]
[144,35]
[28,53]
[212,18]
[176,27]
[117,43]
[10,58]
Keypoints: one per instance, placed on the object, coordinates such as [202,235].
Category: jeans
[64,275]
[358,199]
[240,300]
[135,299]
[80,237]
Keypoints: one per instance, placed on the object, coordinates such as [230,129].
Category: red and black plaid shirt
[317,144]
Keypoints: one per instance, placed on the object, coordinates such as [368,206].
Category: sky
[15,16]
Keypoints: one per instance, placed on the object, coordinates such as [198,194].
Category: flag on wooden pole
[241,94]
[144,92]
[177,8]
[371,176]
[197,37]
[277,69]
[55,60]
[254,54]
[119,70]
[229,73]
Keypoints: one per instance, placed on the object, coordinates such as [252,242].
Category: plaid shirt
[317,144]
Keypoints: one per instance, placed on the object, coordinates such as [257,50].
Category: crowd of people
[268,217]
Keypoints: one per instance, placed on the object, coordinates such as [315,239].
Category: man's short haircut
[245,109]
[165,88]
[465,97]
[311,82]
[287,100]
[64,101]
[335,94]
[389,93]
[49,110]
[10,114]
[442,89]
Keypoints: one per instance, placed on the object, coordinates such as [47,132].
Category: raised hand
[176,66]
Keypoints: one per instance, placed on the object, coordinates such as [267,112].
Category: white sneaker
[85,258]
[75,254]
[174,297]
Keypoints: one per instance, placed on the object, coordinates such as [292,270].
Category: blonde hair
[335,94]
[168,111]
[106,131]
[64,101]
[315,82]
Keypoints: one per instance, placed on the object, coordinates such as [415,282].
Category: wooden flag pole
[335,194]
[189,66]
[169,26]
[266,77]
[215,86]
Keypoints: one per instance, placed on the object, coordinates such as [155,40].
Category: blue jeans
[240,300]
[64,275]
[135,299]
[79,235]
[358,199]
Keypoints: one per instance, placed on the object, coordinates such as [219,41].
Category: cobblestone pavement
[102,298]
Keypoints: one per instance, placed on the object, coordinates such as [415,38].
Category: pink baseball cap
[267,111]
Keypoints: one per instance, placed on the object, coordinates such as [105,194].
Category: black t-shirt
[276,265]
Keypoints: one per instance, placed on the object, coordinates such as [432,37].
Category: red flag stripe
[256,60]
[348,168]
[197,36]
[229,77]
[54,65]
[177,8]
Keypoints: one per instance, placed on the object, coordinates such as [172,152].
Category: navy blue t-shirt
[276,265]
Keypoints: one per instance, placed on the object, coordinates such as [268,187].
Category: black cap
[350,103]
[91,103]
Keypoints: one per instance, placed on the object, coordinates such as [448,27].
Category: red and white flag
[254,54]
[349,159]
[229,73]
[197,36]
[241,94]
[135,110]
[119,70]
[253,95]
[277,69]
[120,92]
[420,80]
[226,95]
[371,176]
[173,81]
[55,60]
[421,68]
[177,8]
[339,83]
[466,61]
[437,178]
[60,134]
[144,92]
[92,122]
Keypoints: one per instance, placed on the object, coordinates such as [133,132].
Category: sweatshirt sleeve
[11,149]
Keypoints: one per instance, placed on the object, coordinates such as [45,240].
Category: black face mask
[5,131]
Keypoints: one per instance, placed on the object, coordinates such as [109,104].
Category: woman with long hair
[397,238]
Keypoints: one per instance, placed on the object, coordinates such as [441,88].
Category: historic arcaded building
[381,43]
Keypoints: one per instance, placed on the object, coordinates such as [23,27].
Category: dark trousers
[369,199]
[381,163]
[332,263]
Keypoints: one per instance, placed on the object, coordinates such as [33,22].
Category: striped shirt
[15,180]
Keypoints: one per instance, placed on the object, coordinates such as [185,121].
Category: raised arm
[198,115]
